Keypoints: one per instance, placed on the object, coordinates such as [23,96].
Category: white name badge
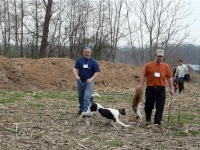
[85,66]
[157,74]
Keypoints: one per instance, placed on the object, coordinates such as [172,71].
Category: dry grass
[46,120]
[38,122]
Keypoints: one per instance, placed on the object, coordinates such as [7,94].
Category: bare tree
[161,23]
[5,28]
[44,42]
[22,28]
[116,23]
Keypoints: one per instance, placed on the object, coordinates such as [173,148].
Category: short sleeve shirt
[182,70]
[157,73]
[86,67]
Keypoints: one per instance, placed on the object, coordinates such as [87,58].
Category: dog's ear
[122,111]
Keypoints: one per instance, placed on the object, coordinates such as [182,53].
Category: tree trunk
[44,42]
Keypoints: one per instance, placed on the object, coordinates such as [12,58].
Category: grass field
[41,120]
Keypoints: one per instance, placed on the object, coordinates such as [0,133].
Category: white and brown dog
[109,113]
[137,102]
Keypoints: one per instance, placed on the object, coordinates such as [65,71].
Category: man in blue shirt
[86,69]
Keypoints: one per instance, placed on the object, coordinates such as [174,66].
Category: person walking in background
[174,72]
[181,71]
[86,69]
[155,74]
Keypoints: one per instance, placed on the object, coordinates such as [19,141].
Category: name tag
[157,74]
[85,66]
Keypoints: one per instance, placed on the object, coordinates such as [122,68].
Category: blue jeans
[84,93]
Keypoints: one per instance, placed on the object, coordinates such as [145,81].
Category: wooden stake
[169,111]
[179,112]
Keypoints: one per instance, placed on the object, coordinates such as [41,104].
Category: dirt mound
[56,73]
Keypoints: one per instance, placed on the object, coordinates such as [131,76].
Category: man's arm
[76,74]
[142,80]
[93,77]
[170,81]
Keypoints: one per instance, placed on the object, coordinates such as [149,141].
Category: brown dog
[136,103]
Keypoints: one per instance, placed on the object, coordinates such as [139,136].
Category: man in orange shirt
[155,73]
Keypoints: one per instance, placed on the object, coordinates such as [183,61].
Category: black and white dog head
[122,112]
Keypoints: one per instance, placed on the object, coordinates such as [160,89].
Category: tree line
[115,29]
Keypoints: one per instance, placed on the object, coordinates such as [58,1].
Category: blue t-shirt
[86,67]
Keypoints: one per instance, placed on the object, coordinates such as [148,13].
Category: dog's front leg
[84,114]
[113,124]
[81,116]
[87,121]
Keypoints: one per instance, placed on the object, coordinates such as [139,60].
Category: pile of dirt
[56,73]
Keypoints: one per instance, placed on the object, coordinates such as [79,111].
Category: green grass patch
[136,141]
[28,91]
[179,134]
[61,95]
[116,143]
[7,100]
[3,93]
[185,118]
[127,98]
[104,98]
[38,96]
[16,95]
[194,132]
[37,105]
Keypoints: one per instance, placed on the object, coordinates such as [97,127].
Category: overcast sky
[195,28]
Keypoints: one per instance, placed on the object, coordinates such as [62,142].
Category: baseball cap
[159,52]
[87,47]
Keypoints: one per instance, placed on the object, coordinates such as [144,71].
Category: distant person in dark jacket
[175,80]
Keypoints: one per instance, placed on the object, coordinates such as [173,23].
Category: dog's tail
[122,124]
[95,94]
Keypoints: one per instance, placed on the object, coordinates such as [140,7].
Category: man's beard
[158,61]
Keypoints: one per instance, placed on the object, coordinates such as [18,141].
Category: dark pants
[175,83]
[155,96]
[180,84]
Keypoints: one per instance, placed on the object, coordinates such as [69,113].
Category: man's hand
[172,91]
[89,80]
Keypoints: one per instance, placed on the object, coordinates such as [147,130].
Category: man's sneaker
[79,112]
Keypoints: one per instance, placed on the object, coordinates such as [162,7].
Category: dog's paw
[87,122]
[79,118]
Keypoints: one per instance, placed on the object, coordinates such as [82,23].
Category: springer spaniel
[109,113]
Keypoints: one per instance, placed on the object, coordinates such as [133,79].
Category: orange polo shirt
[157,73]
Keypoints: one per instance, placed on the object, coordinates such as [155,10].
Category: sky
[195,28]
